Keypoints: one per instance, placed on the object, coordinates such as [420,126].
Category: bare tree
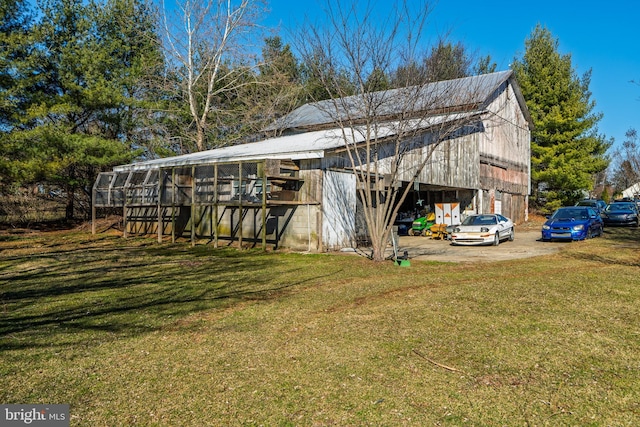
[390,136]
[626,168]
[207,45]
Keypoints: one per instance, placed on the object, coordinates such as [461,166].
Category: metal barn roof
[475,90]
[307,145]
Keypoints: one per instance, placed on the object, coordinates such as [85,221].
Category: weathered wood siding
[505,146]
[504,179]
[513,206]
[452,163]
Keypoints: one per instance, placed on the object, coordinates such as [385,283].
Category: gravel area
[527,244]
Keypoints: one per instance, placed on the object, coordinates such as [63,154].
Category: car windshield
[570,214]
[587,203]
[620,207]
[480,220]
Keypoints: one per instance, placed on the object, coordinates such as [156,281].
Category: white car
[483,229]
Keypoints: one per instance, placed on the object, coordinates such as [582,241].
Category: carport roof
[308,145]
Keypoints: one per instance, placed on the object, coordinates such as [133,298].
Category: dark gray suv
[598,205]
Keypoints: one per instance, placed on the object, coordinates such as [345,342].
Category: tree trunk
[69,209]
[200,137]
[68,188]
[380,242]
[377,253]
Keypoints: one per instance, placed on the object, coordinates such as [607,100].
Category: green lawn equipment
[422,226]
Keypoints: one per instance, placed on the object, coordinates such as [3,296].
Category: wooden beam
[264,208]
[193,206]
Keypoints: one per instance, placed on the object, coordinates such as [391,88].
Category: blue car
[573,223]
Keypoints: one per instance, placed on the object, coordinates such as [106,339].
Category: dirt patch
[526,244]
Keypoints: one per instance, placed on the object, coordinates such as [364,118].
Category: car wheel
[512,235]
[589,234]
[496,239]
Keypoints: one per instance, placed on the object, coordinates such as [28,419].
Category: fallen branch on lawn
[448,368]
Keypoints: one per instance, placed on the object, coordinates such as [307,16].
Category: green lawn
[131,332]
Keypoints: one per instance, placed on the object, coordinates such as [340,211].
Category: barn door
[338,210]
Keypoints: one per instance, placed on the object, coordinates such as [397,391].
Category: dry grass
[130,332]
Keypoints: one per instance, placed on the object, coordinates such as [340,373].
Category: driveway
[526,244]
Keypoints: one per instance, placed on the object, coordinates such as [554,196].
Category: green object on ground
[402,262]
[421,226]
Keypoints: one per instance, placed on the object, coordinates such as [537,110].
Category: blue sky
[601,36]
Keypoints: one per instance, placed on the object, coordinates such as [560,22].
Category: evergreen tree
[408,75]
[82,89]
[14,47]
[278,60]
[323,79]
[376,81]
[484,66]
[566,149]
[447,61]
[278,88]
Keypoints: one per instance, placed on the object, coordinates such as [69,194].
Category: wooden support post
[125,213]
[264,206]
[160,189]
[240,213]
[215,205]
[173,205]
[193,206]
[125,208]
[93,210]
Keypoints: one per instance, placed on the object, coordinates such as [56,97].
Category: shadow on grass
[622,249]
[623,234]
[76,295]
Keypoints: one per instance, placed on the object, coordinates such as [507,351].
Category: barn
[296,189]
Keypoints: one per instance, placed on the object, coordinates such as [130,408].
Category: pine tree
[278,86]
[566,149]
[81,93]
[14,46]
[447,61]
[376,81]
